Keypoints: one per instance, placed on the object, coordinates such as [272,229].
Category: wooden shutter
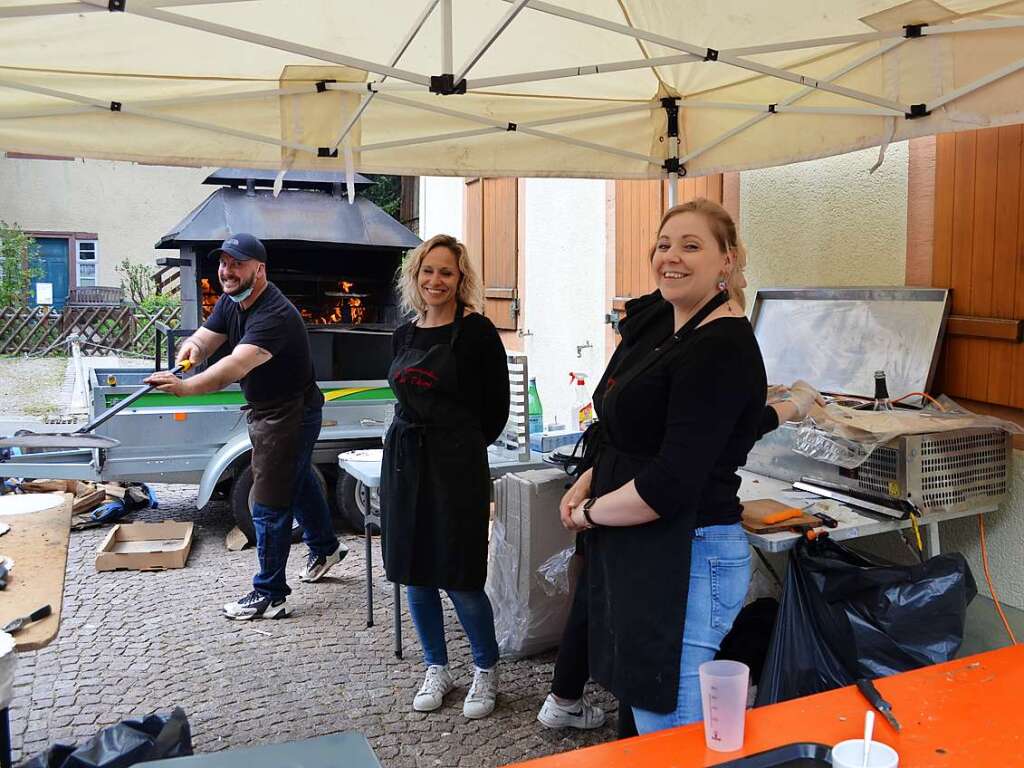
[491,224]
[638,209]
[978,244]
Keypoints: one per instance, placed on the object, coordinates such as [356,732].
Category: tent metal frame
[393,79]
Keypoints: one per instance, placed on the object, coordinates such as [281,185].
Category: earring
[722,285]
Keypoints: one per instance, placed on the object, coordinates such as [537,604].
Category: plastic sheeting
[846,437]
[845,616]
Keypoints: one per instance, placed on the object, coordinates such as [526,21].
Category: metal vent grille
[963,467]
[879,470]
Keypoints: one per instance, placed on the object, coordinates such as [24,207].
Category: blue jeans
[274,524]
[719,579]
[475,614]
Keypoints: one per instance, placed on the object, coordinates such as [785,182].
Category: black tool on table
[16,625]
[871,693]
[827,520]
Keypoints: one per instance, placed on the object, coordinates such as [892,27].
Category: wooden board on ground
[755,511]
[38,545]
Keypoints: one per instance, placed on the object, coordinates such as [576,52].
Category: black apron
[275,432]
[638,576]
[435,481]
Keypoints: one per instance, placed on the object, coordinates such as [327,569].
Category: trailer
[202,440]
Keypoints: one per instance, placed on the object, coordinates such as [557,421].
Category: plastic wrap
[845,616]
[846,437]
[530,575]
[511,614]
[555,572]
[8,666]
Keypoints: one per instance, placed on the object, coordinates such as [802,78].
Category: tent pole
[794,98]
[501,26]
[591,69]
[447,64]
[672,165]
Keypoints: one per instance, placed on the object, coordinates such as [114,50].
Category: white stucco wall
[441,206]
[826,222]
[564,248]
[128,206]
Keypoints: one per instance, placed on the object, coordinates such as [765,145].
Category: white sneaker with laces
[317,566]
[482,694]
[580,714]
[436,685]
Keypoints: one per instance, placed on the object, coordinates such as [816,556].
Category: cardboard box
[145,547]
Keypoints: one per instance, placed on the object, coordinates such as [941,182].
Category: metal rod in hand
[369,572]
[184,365]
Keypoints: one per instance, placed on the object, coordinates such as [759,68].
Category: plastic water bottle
[536,410]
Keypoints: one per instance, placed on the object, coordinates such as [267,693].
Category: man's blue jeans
[719,579]
[474,612]
[274,524]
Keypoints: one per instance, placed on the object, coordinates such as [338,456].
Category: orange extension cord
[991,586]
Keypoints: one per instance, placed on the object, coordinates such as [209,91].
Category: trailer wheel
[241,505]
[353,503]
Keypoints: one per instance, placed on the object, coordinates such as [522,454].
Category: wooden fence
[101,330]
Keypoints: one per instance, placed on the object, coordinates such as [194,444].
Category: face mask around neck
[238,298]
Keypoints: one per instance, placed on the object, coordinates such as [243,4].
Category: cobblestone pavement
[132,643]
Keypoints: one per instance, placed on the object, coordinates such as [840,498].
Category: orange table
[967,713]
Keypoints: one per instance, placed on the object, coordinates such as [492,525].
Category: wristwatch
[586,512]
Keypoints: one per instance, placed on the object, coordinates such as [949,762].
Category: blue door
[53,258]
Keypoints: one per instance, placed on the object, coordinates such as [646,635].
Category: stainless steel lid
[836,338]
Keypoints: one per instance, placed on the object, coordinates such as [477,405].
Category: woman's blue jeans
[719,579]
[475,614]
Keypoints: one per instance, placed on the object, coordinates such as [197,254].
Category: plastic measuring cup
[723,695]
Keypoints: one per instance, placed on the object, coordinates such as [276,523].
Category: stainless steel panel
[836,338]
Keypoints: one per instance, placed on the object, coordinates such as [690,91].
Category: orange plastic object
[778,517]
[962,714]
[180,416]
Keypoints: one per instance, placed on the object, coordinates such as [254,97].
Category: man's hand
[575,496]
[190,350]
[165,381]
[199,346]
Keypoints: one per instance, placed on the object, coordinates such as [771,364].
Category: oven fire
[348,307]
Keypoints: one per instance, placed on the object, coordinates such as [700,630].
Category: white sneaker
[317,566]
[580,714]
[436,685]
[482,694]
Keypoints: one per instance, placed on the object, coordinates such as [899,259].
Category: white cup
[850,754]
[723,695]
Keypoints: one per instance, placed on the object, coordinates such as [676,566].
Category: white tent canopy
[585,88]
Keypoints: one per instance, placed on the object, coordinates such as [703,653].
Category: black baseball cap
[243,247]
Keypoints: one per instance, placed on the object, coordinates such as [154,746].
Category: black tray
[801,755]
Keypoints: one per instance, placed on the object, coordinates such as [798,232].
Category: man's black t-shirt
[274,324]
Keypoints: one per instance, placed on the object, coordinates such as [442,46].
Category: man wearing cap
[269,355]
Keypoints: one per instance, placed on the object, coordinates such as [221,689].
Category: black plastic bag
[128,743]
[845,616]
[750,636]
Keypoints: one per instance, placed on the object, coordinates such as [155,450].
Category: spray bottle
[583,409]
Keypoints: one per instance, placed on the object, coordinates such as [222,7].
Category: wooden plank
[1017,377]
[473,223]
[715,188]
[960,271]
[501,248]
[985,177]
[920,211]
[1004,274]
[985,327]
[38,545]
[945,174]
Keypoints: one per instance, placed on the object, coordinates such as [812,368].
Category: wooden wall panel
[491,235]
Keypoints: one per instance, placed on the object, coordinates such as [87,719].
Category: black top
[649,321]
[480,362]
[274,324]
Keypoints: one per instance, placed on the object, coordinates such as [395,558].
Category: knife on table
[871,693]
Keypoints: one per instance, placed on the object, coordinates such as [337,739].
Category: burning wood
[209,297]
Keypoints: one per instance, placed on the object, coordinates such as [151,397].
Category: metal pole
[369,571]
[446,37]
[673,182]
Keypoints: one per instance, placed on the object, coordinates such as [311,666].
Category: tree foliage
[19,266]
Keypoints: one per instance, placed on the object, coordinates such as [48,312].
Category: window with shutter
[638,209]
[977,238]
[491,235]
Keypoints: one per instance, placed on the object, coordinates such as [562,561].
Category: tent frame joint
[913,30]
[512,127]
[321,85]
[445,84]
[116,6]
[326,151]
[711,54]
[672,165]
[115,106]
[918,110]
